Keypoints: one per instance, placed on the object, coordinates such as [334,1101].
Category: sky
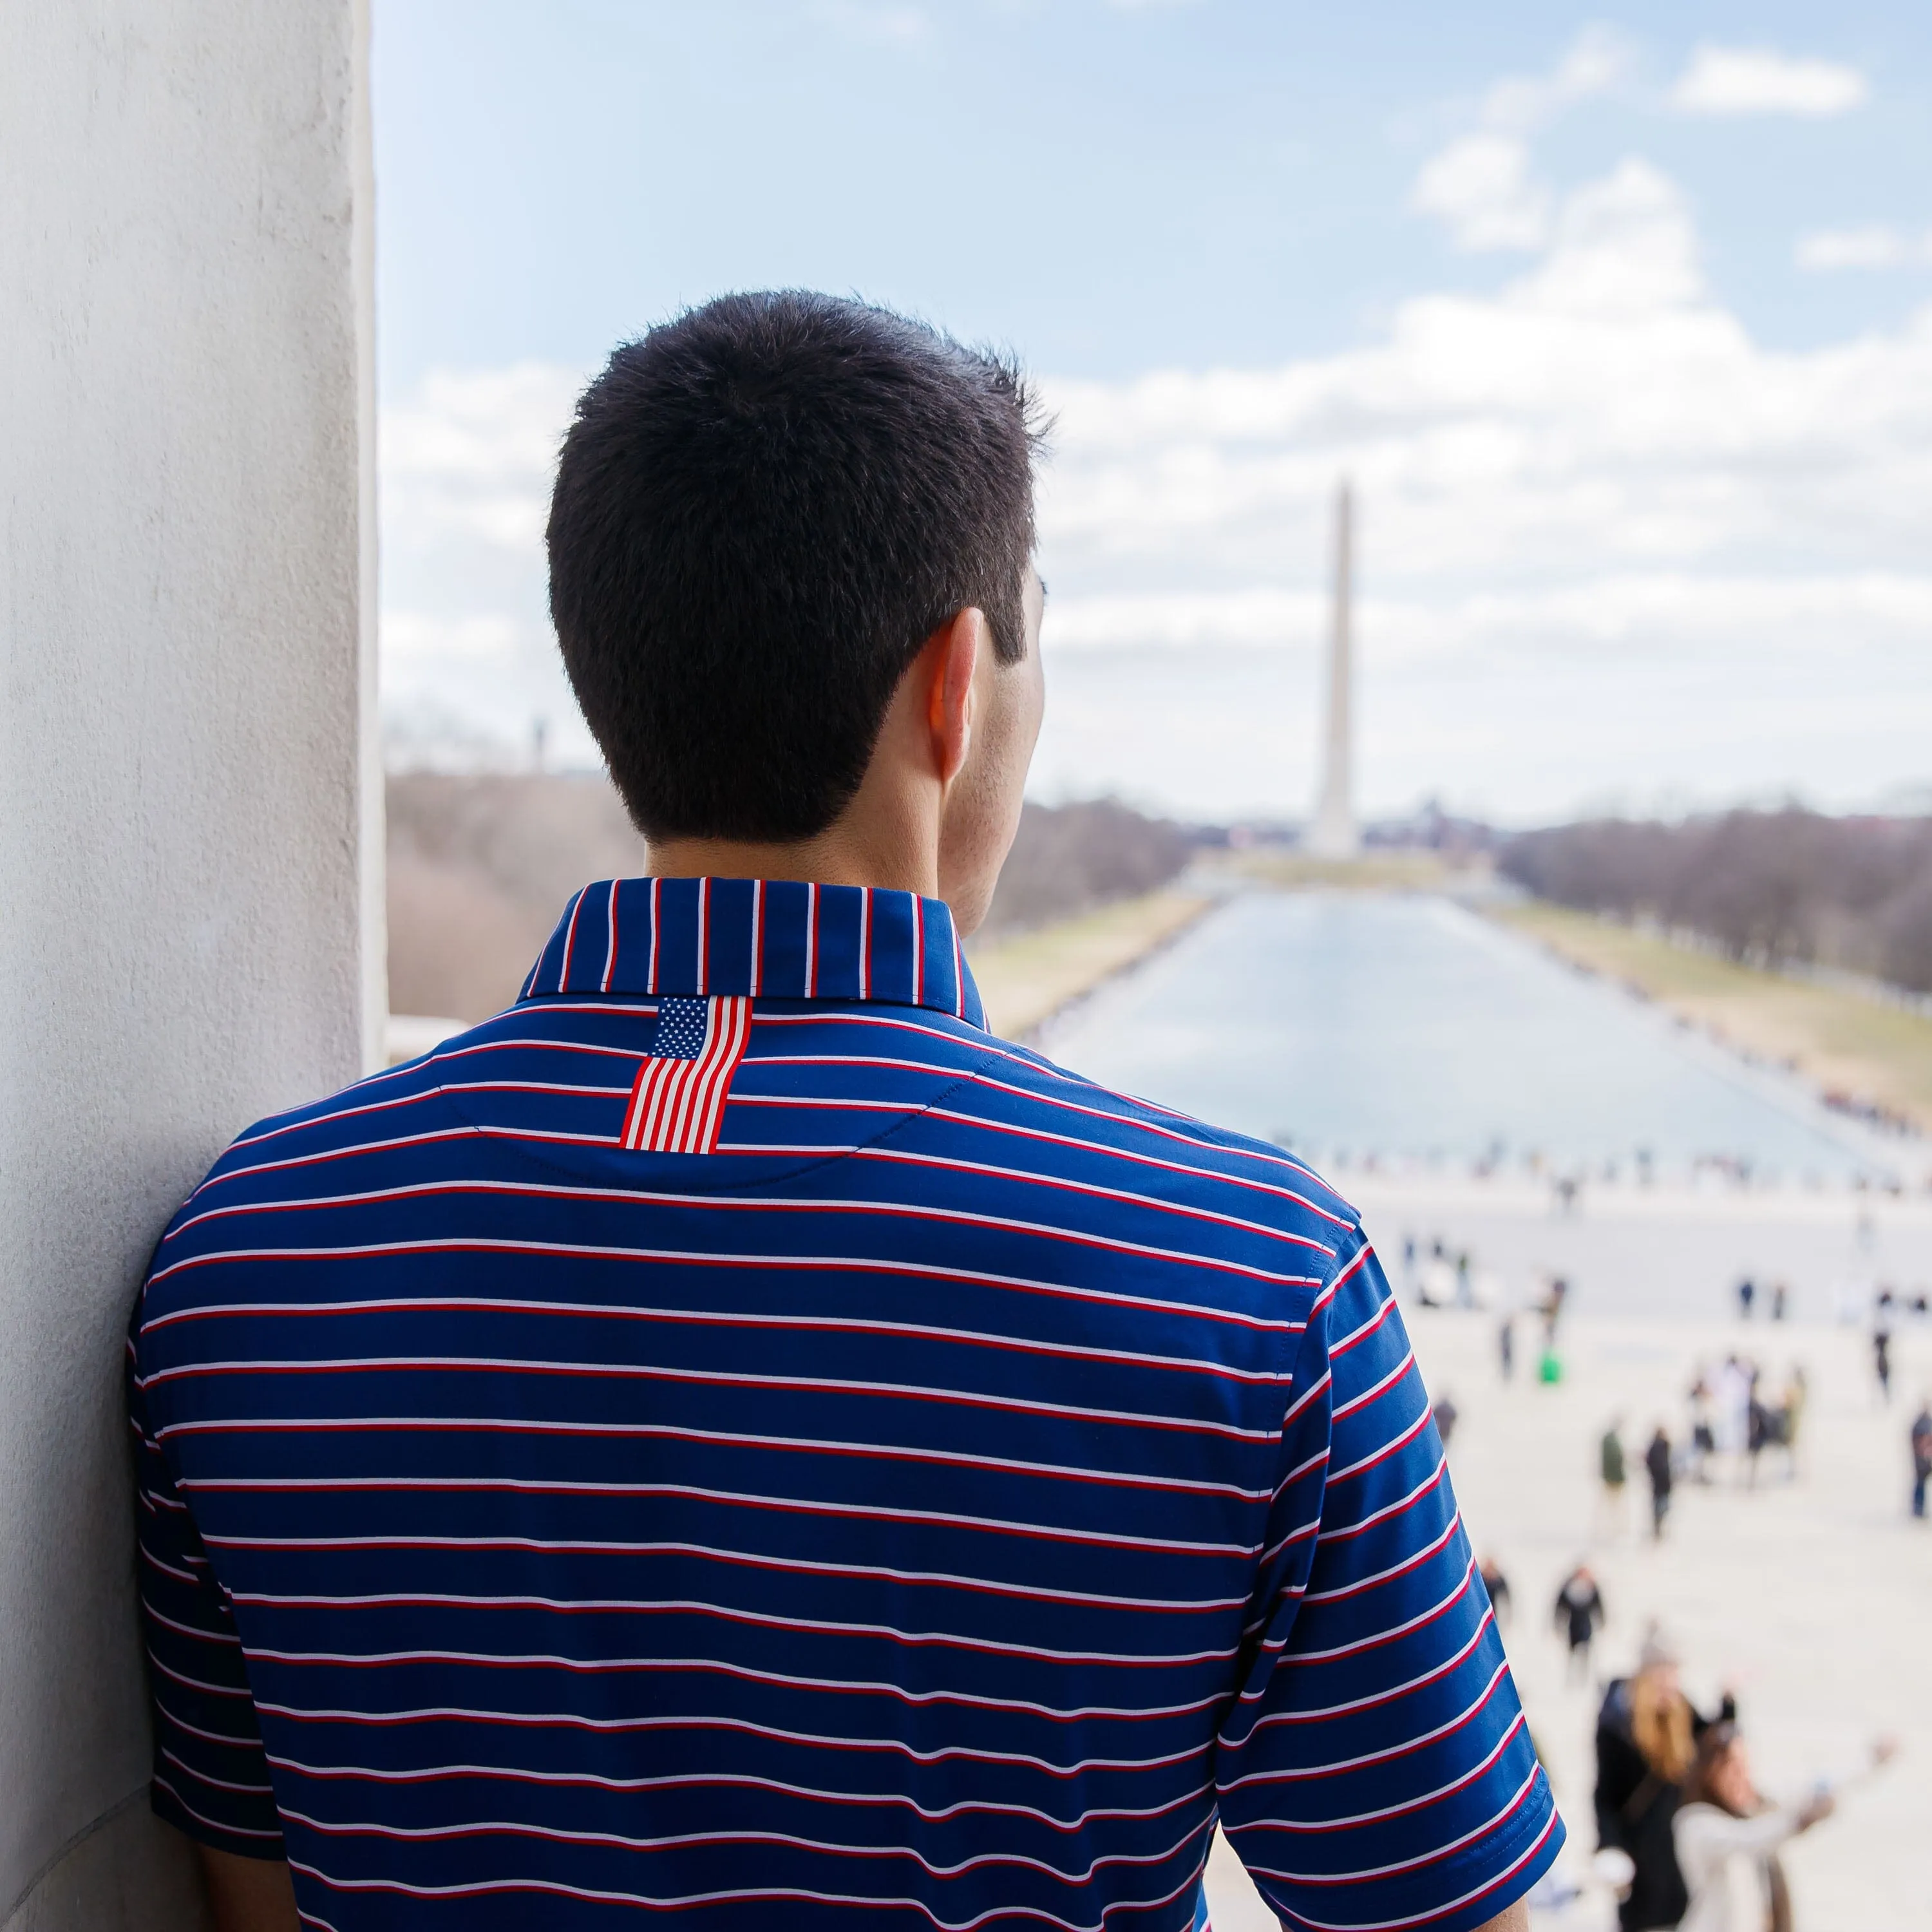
[1620,327]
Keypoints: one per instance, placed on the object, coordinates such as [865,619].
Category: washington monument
[1335,835]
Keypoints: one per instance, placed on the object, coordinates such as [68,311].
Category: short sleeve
[1376,1770]
[211,1774]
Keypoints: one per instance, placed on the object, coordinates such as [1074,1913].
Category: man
[1759,1427]
[1703,1433]
[1612,1472]
[1733,1394]
[1657,1466]
[1921,1455]
[1881,1315]
[1496,1581]
[730,1436]
[1580,1609]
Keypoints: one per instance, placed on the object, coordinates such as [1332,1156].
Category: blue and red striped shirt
[896,1482]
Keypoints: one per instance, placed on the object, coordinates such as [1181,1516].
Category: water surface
[1409,1026]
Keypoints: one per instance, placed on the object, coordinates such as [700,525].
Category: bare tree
[480,867]
[1763,886]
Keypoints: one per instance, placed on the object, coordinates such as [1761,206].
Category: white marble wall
[190,929]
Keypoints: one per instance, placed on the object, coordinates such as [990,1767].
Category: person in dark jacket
[1497,1584]
[1580,1609]
[1657,1466]
[1647,1734]
[1760,1428]
[1610,1467]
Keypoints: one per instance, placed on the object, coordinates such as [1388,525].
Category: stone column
[190,898]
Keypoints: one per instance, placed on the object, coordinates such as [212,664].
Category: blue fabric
[934,1509]
[680,1033]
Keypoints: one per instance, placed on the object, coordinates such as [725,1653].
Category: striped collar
[773,937]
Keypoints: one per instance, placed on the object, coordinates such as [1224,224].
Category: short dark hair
[764,509]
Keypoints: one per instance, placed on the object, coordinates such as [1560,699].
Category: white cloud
[1608,541]
[1481,187]
[1597,62]
[468,659]
[1623,244]
[1761,80]
[1602,405]
[1871,245]
[1630,611]
[878,24]
[410,637]
[475,452]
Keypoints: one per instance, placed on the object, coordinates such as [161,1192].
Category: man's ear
[954,650]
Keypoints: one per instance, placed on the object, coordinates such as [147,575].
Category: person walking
[1732,1396]
[1703,1435]
[1758,1430]
[1921,1455]
[1496,1582]
[1612,1474]
[1882,1318]
[1657,1466]
[1579,1612]
[1553,1301]
[1747,1296]
[1646,1742]
[1506,1345]
[1791,1417]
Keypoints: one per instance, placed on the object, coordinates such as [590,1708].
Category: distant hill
[481,866]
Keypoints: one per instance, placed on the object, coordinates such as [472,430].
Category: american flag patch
[677,1101]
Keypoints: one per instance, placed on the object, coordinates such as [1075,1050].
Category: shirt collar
[775,937]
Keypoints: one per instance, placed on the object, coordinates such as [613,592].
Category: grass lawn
[1840,1040]
[1372,870]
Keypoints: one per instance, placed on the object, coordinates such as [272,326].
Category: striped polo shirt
[731,1436]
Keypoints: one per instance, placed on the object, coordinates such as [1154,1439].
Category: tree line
[1764,887]
[480,865]
[1066,858]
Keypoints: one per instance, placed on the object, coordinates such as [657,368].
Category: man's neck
[841,856]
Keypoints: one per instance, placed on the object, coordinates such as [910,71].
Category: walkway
[1813,1596]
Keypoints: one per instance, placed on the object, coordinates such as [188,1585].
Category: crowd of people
[1733,1415]
[1684,1831]
[1734,1412]
[1686,1838]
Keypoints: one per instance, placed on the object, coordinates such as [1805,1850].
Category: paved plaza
[1809,1596]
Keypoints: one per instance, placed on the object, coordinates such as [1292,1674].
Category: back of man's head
[763,509]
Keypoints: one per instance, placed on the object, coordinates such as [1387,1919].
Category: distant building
[1335,833]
